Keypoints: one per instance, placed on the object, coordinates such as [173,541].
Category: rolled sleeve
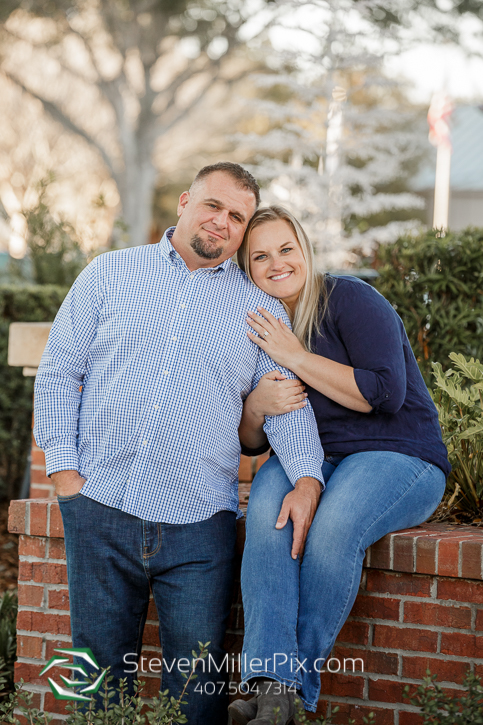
[373,336]
[61,456]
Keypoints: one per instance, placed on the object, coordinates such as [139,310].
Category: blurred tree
[342,139]
[121,74]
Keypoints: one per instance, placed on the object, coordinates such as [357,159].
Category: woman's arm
[330,378]
[274,395]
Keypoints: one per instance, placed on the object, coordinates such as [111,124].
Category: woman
[384,470]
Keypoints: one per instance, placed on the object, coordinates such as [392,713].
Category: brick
[381,553]
[410,718]
[386,690]
[29,646]
[56,549]
[357,713]
[30,673]
[16,517]
[52,644]
[419,640]
[151,635]
[43,622]
[54,706]
[152,686]
[260,460]
[437,614]
[354,633]
[37,457]
[341,685]
[381,663]
[426,556]
[38,490]
[38,518]
[448,557]
[461,590]
[37,475]
[152,611]
[58,599]
[471,559]
[32,546]
[49,573]
[403,558]
[25,571]
[479,619]
[56,525]
[36,701]
[461,645]
[245,470]
[446,670]
[376,607]
[30,596]
[394,583]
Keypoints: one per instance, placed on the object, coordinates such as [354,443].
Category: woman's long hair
[313,299]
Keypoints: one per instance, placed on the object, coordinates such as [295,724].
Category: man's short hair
[237,172]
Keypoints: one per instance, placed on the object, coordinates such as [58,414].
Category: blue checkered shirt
[142,383]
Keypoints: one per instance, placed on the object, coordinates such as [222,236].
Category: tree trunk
[136,188]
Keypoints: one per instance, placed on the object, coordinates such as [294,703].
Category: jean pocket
[62,499]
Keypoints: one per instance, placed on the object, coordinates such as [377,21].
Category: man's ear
[183,200]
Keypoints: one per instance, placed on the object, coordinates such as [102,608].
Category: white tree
[124,75]
[340,135]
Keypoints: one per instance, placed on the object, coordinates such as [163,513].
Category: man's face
[212,220]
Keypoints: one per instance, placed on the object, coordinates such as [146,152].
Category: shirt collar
[169,252]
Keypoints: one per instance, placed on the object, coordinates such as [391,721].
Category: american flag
[438,118]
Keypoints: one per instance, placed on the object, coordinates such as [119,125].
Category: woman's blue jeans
[294,610]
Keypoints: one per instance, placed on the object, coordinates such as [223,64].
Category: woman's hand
[276,394]
[275,338]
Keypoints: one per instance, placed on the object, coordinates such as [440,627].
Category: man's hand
[67,483]
[300,505]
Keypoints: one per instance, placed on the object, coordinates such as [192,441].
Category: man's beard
[205,249]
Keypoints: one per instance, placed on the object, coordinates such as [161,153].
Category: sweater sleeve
[373,335]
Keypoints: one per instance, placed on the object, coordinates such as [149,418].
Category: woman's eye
[260,257]
[286,249]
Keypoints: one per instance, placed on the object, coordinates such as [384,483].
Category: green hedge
[436,285]
[32,303]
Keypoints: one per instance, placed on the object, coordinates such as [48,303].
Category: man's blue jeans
[115,559]
[294,610]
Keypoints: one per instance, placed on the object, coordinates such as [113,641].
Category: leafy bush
[436,285]
[439,707]
[8,639]
[459,398]
[30,303]
[54,253]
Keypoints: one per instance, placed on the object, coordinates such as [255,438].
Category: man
[137,404]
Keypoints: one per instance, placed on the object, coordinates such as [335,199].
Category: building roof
[467,158]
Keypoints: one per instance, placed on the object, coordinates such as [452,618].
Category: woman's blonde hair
[313,299]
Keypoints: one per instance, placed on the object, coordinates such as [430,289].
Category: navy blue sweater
[362,329]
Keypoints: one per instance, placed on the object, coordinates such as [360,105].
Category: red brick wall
[420,605]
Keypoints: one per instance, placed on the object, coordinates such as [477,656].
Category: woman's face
[277,264]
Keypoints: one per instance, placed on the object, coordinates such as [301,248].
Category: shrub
[436,285]
[439,707]
[32,303]
[459,398]
[8,639]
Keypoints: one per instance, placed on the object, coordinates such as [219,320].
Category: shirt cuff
[61,458]
[302,467]
[367,383]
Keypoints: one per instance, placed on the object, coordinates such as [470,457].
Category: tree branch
[66,122]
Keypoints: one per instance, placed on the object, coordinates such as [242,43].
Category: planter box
[420,606]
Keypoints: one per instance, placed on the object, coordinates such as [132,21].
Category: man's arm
[60,377]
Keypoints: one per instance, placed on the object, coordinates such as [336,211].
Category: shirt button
[165,372]
[182,305]
[174,338]
[191,276]
[145,443]
[156,407]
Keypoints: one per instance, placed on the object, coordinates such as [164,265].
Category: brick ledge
[441,549]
